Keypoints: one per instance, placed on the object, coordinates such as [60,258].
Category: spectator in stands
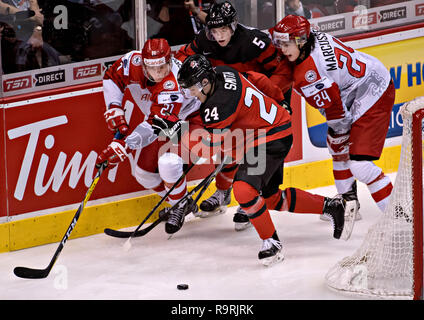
[295,7]
[23,23]
[379,3]
[176,26]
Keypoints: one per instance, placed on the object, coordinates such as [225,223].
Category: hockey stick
[127,234]
[202,186]
[29,273]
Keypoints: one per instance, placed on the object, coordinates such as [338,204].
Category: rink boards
[50,141]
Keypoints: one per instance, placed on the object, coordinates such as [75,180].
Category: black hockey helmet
[220,15]
[194,69]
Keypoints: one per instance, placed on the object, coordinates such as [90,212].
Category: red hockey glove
[114,154]
[338,145]
[169,126]
[115,119]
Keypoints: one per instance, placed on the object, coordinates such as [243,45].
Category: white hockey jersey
[341,82]
[125,84]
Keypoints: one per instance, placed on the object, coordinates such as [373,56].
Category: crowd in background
[41,33]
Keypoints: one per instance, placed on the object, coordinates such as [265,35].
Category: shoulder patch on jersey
[169,85]
[310,76]
[136,60]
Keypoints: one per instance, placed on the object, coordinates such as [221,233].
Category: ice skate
[341,213]
[271,251]
[351,195]
[177,215]
[241,220]
[215,204]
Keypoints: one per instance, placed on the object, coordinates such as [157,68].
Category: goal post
[389,262]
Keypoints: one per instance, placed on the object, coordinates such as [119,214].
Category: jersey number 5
[267,116]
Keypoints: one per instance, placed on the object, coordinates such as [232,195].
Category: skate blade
[208,214]
[268,262]
[351,210]
[240,226]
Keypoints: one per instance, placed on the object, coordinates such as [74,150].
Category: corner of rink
[50,228]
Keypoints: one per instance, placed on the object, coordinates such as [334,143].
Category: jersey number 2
[267,116]
[357,73]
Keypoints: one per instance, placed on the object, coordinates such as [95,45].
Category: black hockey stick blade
[28,273]
[132,234]
[139,233]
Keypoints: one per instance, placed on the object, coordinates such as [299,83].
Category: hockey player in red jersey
[232,103]
[224,41]
[147,80]
[354,92]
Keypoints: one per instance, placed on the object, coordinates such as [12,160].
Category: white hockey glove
[338,145]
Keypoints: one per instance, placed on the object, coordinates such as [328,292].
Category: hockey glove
[114,154]
[115,119]
[169,126]
[338,145]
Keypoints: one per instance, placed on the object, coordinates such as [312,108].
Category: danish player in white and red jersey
[354,92]
[147,80]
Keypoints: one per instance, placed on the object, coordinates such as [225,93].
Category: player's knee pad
[148,180]
[170,167]
[364,171]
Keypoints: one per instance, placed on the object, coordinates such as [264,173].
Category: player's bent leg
[336,209]
[255,207]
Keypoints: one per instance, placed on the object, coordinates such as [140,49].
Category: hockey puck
[182,286]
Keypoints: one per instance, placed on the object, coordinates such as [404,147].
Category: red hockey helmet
[155,53]
[291,27]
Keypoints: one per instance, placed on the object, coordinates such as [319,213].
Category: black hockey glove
[168,126]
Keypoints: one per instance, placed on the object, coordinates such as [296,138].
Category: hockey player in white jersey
[147,80]
[354,92]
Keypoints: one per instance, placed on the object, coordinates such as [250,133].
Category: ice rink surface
[216,262]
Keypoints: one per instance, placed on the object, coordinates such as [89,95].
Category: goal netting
[389,262]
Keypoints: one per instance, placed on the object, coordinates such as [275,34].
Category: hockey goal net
[389,263]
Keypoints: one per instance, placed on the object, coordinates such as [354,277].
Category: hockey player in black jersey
[232,102]
[224,41]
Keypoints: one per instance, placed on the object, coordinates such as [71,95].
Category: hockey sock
[299,201]
[343,177]
[225,178]
[179,191]
[255,207]
[377,182]
[276,201]
[160,190]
